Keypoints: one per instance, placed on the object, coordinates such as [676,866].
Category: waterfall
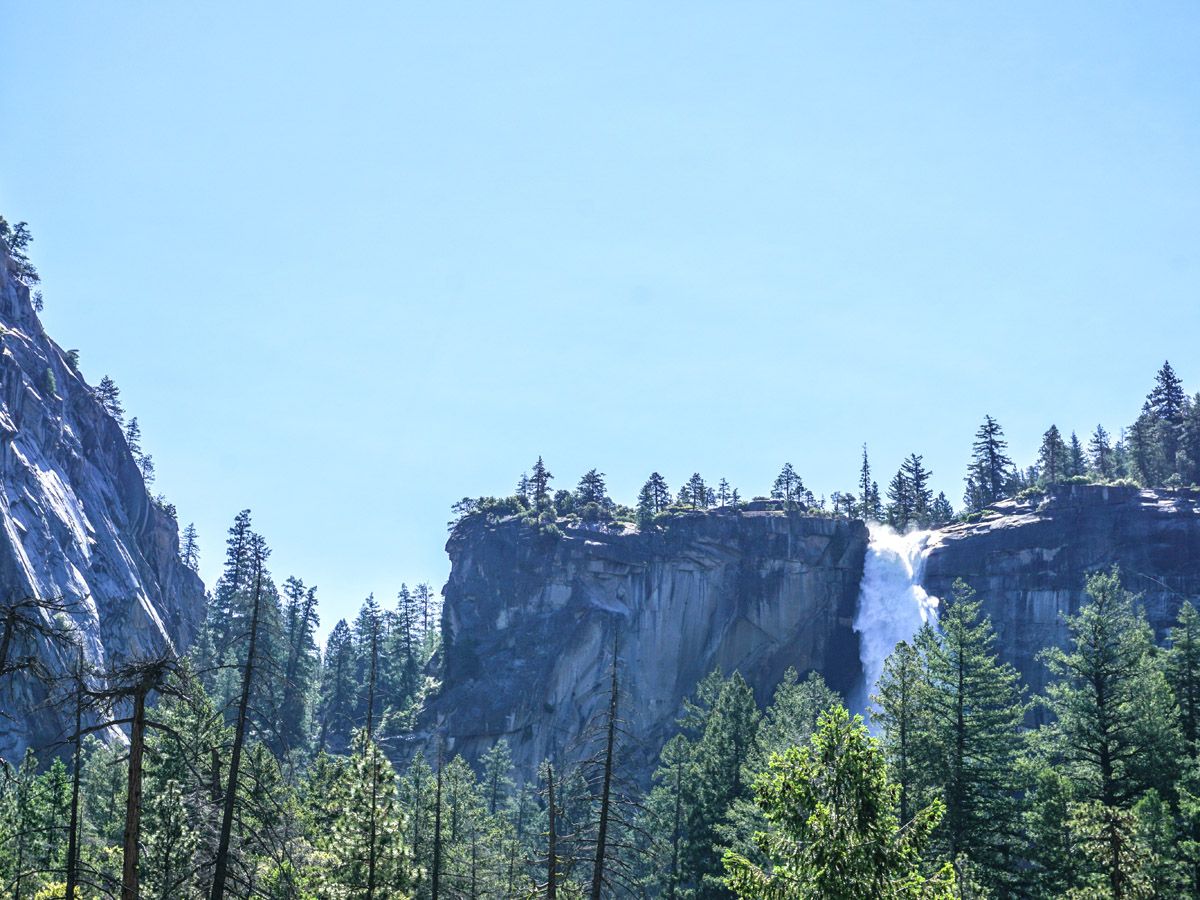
[892,605]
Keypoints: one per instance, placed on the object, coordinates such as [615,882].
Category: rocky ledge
[530,617]
[76,524]
[1028,561]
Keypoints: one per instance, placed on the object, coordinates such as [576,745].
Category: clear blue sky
[349,262]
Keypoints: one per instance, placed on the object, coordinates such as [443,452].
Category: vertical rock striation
[529,616]
[1028,561]
[76,523]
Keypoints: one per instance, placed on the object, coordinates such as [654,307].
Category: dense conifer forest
[259,764]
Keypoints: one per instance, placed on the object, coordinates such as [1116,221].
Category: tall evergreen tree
[1052,457]
[865,509]
[1167,403]
[189,550]
[592,489]
[109,396]
[919,493]
[900,507]
[539,485]
[940,511]
[974,709]
[1115,733]
[338,689]
[1183,673]
[1076,464]
[834,832]
[1100,452]
[788,486]
[990,470]
[695,493]
[901,714]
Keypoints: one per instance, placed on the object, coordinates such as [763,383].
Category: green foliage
[14,241]
[833,830]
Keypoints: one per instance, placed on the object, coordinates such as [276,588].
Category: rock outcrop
[529,619]
[529,615]
[76,523]
[1028,561]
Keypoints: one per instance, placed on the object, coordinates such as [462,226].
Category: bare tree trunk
[133,796]
[221,868]
[606,788]
[552,850]
[516,847]
[215,762]
[373,761]
[437,826]
[675,831]
[10,625]
[73,837]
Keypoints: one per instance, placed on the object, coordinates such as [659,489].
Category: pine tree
[788,486]
[901,715]
[834,832]
[133,438]
[695,493]
[539,485]
[1101,453]
[724,492]
[900,501]
[865,486]
[1052,457]
[919,494]
[974,710]
[301,666]
[990,469]
[592,490]
[426,600]
[1189,443]
[716,781]
[1167,403]
[665,820]
[338,689]
[189,552]
[1076,464]
[257,555]
[1183,673]
[940,511]
[1116,733]
[497,781]
[109,396]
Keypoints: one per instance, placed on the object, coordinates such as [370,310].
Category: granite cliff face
[529,616]
[1028,561]
[529,620]
[76,523]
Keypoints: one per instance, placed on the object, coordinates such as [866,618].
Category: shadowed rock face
[529,621]
[1028,562]
[77,523]
[529,616]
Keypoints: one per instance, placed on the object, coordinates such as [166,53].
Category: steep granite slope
[76,522]
[1028,561]
[529,620]
[529,616]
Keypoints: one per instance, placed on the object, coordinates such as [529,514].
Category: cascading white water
[892,605]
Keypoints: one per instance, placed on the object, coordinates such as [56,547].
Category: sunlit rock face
[530,617]
[1029,560]
[530,620]
[76,523]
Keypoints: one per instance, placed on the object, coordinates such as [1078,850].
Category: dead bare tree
[258,556]
[33,617]
[606,778]
[551,833]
